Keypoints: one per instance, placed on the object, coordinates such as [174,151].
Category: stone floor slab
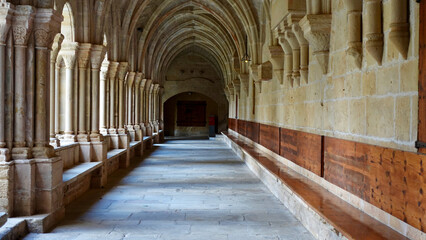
[185,189]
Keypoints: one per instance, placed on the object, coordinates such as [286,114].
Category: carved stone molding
[288,59]
[399,34]
[244,81]
[354,29]
[47,24]
[56,47]
[6,20]
[317,30]
[373,31]
[97,55]
[277,60]
[122,70]
[84,55]
[22,24]
[265,71]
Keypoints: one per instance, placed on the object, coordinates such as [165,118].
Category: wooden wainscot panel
[389,179]
[253,131]
[270,137]
[304,149]
[233,124]
[242,127]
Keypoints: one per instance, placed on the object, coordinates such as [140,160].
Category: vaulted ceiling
[149,34]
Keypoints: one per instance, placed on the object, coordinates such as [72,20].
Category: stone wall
[375,104]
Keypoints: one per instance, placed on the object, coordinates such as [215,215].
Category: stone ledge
[15,228]
[307,200]
[3,218]
[80,170]
[115,153]
[134,144]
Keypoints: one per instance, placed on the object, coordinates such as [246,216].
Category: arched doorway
[187,114]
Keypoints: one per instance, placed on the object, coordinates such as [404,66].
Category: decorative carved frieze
[317,30]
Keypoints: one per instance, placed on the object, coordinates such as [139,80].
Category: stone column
[6,167]
[22,27]
[161,109]
[148,127]
[130,111]
[137,107]
[53,89]
[97,55]
[48,174]
[103,96]
[121,75]
[6,18]
[83,65]
[113,68]
[47,24]
[142,106]
[69,54]
[155,107]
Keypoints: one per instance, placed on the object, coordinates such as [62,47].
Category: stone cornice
[6,20]
[22,26]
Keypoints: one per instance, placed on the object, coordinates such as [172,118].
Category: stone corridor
[184,189]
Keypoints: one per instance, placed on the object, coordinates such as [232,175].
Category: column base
[4,155]
[148,128]
[67,139]
[43,152]
[122,131]
[7,180]
[96,137]
[138,133]
[86,152]
[113,131]
[104,131]
[48,185]
[132,132]
[83,138]
[24,188]
[21,153]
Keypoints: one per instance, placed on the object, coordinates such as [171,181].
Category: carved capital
[97,55]
[22,26]
[138,79]
[47,24]
[244,81]
[148,84]
[113,68]
[6,20]
[317,29]
[122,70]
[105,70]
[131,78]
[84,53]
[142,84]
[69,54]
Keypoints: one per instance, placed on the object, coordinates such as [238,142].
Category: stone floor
[185,189]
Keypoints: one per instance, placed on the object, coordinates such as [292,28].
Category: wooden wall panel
[252,130]
[232,124]
[269,137]
[241,127]
[304,149]
[389,179]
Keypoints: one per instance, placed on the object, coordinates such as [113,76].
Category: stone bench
[116,158]
[77,180]
[326,215]
[148,142]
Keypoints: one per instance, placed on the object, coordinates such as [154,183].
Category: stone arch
[68,26]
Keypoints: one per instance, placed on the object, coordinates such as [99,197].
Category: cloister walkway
[184,189]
